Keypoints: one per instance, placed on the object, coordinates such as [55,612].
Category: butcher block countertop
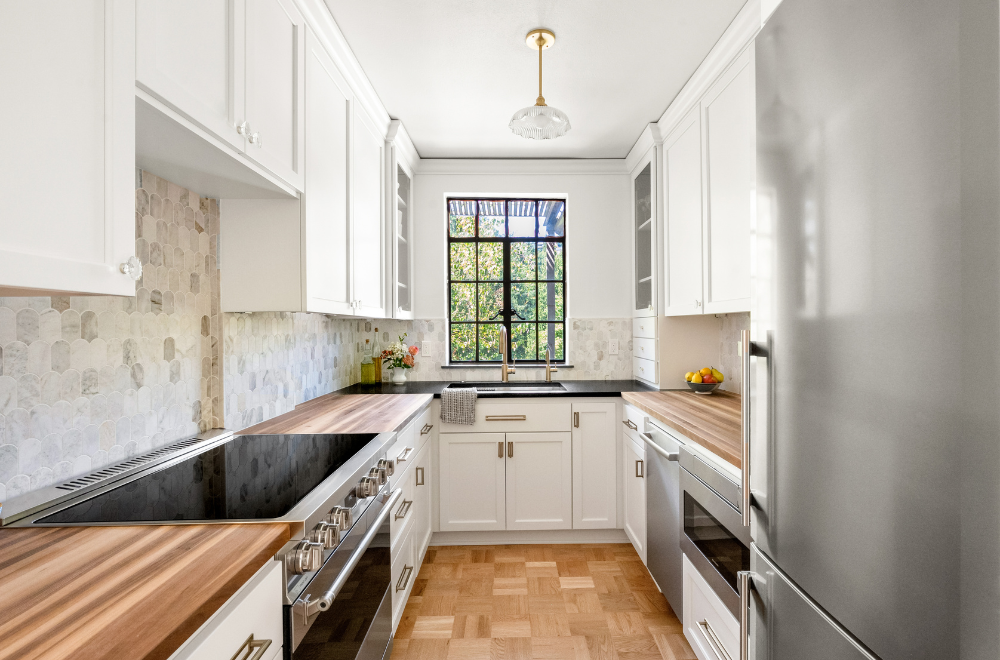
[121,593]
[346,413]
[712,420]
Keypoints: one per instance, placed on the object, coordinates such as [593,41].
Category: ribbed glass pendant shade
[540,122]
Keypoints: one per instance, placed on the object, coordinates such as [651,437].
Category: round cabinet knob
[305,557]
[326,534]
[243,128]
[255,139]
[132,268]
[697,303]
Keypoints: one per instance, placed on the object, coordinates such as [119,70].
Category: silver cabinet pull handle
[510,450]
[404,577]
[576,420]
[420,476]
[506,418]
[403,509]
[746,349]
[639,471]
[713,640]
[500,450]
[403,455]
[630,424]
[427,429]
[252,649]
[744,583]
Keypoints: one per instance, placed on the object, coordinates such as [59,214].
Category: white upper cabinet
[728,112]
[399,209]
[682,171]
[274,114]
[187,54]
[644,236]
[68,165]
[234,67]
[369,260]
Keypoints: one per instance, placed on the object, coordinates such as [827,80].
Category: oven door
[714,539]
[345,612]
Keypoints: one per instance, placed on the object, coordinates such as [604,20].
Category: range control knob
[340,516]
[379,475]
[327,534]
[388,465]
[306,556]
[368,487]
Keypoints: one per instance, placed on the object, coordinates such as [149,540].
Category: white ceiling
[454,71]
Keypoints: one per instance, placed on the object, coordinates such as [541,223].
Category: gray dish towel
[458,405]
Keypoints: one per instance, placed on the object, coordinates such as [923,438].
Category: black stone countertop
[573,388]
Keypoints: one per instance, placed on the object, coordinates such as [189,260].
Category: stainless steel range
[333,490]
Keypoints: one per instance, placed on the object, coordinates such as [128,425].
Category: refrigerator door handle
[746,349]
[744,584]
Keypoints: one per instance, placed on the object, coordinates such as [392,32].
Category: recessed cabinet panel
[186,56]
[642,190]
[473,481]
[634,474]
[539,481]
[274,47]
[327,244]
[682,162]
[595,486]
[368,252]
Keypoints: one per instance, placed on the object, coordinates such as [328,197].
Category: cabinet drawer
[402,512]
[411,507]
[403,574]
[254,610]
[644,328]
[410,440]
[644,369]
[644,348]
[633,419]
[516,416]
[707,621]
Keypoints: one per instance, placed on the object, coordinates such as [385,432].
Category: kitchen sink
[512,388]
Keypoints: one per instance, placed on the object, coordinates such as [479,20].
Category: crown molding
[403,145]
[474,166]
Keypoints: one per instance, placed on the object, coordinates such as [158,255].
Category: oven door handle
[306,607]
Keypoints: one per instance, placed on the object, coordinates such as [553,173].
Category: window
[506,268]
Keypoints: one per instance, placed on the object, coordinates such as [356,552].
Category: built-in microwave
[714,539]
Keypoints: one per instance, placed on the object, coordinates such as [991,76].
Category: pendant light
[540,121]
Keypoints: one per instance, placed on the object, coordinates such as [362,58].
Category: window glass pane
[522,299]
[550,301]
[491,261]
[463,302]
[522,261]
[491,220]
[524,336]
[521,217]
[551,218]
[490,301]
[463,261]
[489,342]
[550,261]
[551,335]
[463,342]
[462,218]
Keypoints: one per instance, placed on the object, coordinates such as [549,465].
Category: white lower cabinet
[403,573]
[250,621]
[539,481]
[473,481]
[595,483]
[422,515]
[634,490]
[710,628]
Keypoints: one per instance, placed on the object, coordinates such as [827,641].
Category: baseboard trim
[530,537]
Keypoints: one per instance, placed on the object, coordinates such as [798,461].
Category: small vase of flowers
[399,357]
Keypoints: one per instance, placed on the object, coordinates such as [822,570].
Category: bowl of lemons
[704,381]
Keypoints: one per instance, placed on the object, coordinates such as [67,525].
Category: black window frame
[506,313]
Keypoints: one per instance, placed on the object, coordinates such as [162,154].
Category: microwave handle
[306,607]
[746,350]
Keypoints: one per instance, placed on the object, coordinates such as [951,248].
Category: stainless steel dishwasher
[664,513]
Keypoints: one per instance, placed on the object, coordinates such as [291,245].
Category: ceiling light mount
[540,121]
[547,36]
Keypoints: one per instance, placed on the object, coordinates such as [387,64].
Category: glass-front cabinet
[644,240]
[402,157]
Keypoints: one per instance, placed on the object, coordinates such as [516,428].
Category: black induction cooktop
[249,477]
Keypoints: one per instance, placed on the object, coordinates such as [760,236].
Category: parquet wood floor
[537,602]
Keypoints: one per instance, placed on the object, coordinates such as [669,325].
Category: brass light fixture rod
[540,38]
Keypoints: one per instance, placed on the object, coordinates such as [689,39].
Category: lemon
[696,378]
[688,376]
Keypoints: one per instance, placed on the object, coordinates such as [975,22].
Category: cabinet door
[325,202]
[369,235]
[643,216]
[422,529]
[68,165]
[730,135]
[682,163]
[472,481]
[189,54]
[635,494]
[595,486]
[539,481]
[275,36]
[403,248]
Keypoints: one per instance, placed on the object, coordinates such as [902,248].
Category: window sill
[519,365]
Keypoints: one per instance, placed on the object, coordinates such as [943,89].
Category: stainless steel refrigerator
[874,391]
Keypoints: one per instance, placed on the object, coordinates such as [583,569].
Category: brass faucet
[548,367]
[505,370]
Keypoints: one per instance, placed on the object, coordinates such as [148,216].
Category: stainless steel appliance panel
[786,625]
[663,518]
[855,317]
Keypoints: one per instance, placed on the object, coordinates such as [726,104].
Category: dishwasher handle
[669,455]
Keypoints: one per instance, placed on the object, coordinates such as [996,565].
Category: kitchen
[223,222]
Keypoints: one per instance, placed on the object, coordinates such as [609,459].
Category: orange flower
[408,360]
[413,350]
